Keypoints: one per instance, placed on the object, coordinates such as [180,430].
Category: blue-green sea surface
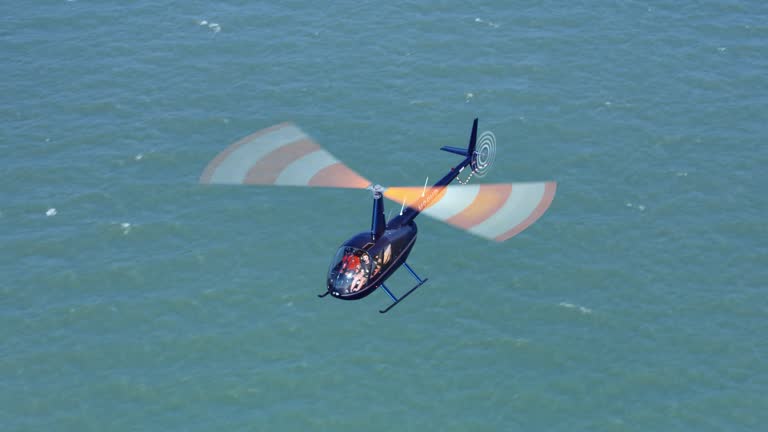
[134,299]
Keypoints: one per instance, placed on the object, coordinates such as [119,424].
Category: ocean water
[133,298]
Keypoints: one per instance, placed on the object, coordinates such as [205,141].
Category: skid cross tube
[392,296]
[412,272]
[396,300]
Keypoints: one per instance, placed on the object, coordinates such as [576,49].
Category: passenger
[358,280]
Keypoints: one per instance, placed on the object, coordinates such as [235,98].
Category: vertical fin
[472,139]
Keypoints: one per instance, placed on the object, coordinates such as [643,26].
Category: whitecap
[582,309]
[489,23]
[51,212]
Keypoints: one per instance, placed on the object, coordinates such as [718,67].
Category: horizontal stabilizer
[454,150]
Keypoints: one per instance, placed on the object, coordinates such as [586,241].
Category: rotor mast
[378,221]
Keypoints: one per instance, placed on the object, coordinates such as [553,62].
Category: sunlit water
[132,298]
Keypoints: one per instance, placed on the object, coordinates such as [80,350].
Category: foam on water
[581,309]
[489,23]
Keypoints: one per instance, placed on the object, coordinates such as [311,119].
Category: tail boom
[436,191]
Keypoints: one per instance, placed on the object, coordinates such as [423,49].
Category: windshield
[349,270]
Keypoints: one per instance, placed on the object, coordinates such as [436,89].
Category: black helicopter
[283,155]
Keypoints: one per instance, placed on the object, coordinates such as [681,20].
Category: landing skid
[396,300]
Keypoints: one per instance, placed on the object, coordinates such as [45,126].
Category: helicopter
[283,155]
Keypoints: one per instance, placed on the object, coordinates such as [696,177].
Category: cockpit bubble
[349,271]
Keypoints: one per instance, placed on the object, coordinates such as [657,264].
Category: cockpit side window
[376,265]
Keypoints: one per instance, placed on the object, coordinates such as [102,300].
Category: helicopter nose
[337,290]
[333,289]
[340,290]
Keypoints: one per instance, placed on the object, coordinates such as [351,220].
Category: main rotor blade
[280,155]
[493,211]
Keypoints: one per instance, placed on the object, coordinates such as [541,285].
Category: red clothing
[350,262]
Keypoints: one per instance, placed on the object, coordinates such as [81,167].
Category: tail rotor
[484,154]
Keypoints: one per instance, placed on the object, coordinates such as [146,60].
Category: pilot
[352,261]
[348,263]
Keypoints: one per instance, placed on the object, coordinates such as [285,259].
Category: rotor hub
[377,190]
